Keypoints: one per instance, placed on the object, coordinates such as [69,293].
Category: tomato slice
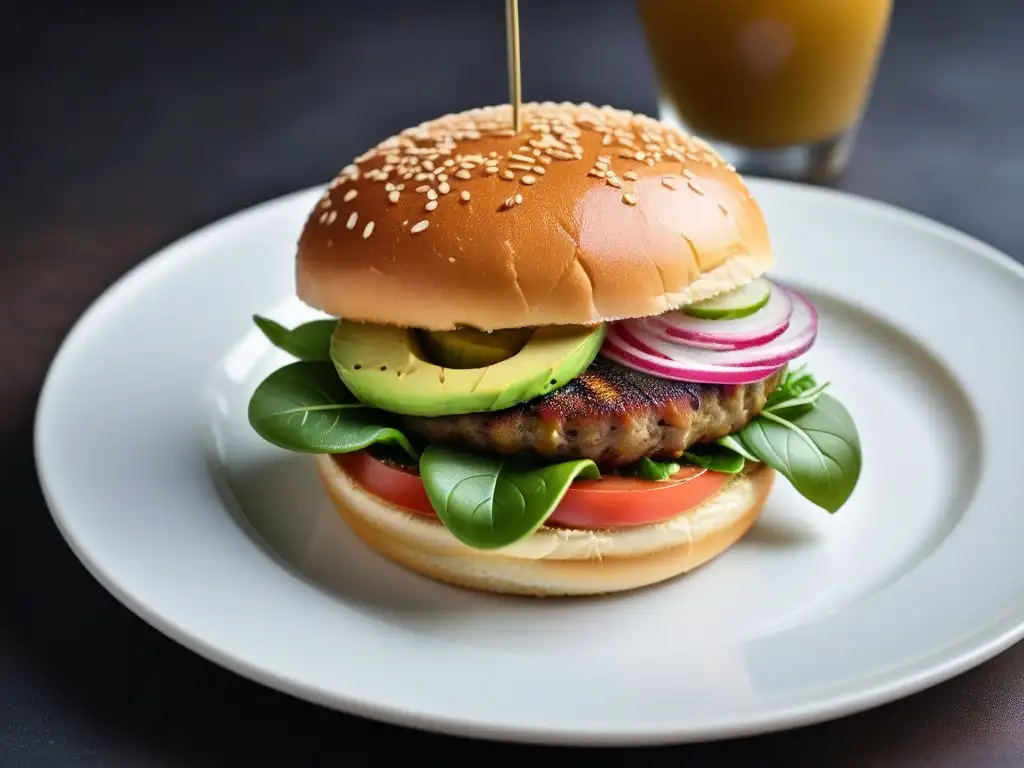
[613,502]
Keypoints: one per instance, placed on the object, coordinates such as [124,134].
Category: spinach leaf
[734,445]
[305,407]
[715,457]
[817,450]
[309,341]
[488,502]
[795,384]
[655,471]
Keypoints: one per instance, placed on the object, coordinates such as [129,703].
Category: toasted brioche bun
[553,561]
[674,225]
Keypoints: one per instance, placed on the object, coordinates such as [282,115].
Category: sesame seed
[424,176]
[560,154]
[467,166]
[668,183]
[606,140]
[367,230]
[393,196]
[520,166]
[597,173]
[432,194]
[451,259]
[611,181]
[491,169]
[351,223]
[695,188]
[629,155]
[350,195]
[539,170]
[528,179]
[422,188]
[687,173]
[522,158]
[545,159]
[442,177]
[331,216]
[428,165]
[723,210]
[601,165]
[419,226]
[449,163]
[509,203]
[464,196]
[507,175]
[431,205]
[518,198]
[463,174]
[629,176]
[629,199]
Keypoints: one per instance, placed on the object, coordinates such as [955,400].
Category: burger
[550,360]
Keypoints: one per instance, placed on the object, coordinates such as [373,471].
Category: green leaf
[818,450]
[655,471]
[717,458]
[793,385]
[305,407]
[309,341]
[488,502]
[734,445]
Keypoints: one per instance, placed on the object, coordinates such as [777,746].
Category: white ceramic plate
[230,546]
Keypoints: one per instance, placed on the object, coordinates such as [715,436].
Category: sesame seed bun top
[587,214]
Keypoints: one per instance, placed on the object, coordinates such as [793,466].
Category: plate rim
[995,637]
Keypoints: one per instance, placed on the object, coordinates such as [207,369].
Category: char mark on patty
[611,414]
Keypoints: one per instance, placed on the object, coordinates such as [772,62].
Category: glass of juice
[777,86]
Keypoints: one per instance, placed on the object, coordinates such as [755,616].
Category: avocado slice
[385,367]
[470,348]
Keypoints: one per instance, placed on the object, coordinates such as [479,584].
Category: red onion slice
[767,323]
[645,345]
[797,339]
[617,349]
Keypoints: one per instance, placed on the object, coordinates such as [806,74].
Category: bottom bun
[553,561]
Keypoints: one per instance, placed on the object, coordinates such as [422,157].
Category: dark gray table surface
[123,130]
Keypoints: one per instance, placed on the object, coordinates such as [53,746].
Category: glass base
[816,162]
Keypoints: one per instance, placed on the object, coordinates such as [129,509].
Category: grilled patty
[611,414]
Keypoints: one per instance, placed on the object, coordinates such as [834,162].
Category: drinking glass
[777,86]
